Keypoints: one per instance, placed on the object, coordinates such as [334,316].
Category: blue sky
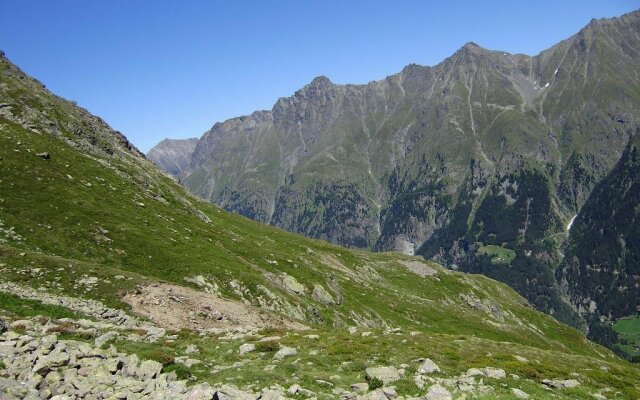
[155,69]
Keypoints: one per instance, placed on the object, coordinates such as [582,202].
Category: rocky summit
[480,162]
[118,283]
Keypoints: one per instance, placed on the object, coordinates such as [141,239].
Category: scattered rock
[44,155]
[561,384]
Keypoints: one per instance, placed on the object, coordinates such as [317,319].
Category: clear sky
[154,69]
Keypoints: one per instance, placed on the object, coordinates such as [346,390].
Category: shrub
[375,383]
[268,346]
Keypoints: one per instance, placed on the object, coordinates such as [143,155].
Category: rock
[192,349]
[495,373]
[102,339]
[320,294]
[290,283]
[428,367]
[474,372]
[149,369]
[385,374]
[246,348]
[312,337]
[228,392]
[520,358]
[352,329]
[3,326]
[297,389]
[561,384]
[377,394]
[519,393]
[53,360]
[200,392]
[362,387]
[187,362]
[437,392]
[285,352]
[390,392]
[44,155]
[272,395]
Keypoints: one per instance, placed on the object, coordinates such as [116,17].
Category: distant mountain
[479,162]
[174,156]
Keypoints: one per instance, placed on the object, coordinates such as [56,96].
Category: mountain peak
[320,82]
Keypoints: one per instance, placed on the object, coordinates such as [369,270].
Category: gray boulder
[385,374]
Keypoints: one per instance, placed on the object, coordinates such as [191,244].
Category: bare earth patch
[178,307]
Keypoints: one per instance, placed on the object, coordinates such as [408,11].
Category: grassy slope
[165,240]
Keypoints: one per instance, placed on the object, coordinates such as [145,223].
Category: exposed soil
[178,307]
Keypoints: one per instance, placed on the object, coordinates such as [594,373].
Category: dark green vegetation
[628,330]
[485,148]
[92,207]
[601,268]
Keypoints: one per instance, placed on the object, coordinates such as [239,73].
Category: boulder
[561,384]
[246,348]
[437,392]
[495,373]
[362,387]
[285,352]
[149,369]
[385,374]
[428,367]
[200,392]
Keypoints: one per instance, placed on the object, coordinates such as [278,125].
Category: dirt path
[178,307]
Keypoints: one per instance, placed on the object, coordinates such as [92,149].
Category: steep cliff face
[173,156]
[478,162]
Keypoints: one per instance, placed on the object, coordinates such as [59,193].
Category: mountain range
[481,162]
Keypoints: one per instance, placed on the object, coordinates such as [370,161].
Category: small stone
[44,155]
[519,393]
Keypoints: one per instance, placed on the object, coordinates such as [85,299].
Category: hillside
[485,153]
[100,248]
[601,267]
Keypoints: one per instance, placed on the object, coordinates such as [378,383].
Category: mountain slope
[84,223]
[602,260]
[485,150]
[173,156]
